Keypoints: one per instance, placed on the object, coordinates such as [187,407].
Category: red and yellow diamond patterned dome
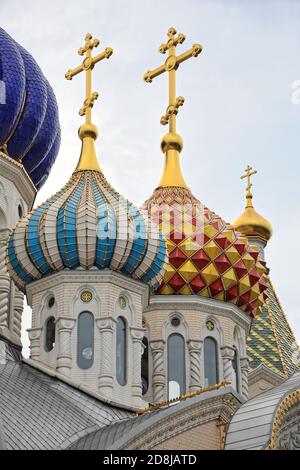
[207,256]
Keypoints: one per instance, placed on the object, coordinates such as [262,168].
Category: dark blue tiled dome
[29,124]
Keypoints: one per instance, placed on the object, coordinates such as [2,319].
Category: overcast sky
[239,107]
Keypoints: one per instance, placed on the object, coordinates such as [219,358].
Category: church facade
[152,328]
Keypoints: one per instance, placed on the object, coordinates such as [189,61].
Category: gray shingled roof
[41,412]
[251,426]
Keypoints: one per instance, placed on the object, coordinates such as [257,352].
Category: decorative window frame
[128,315]
[148,395]
[240,347]
[184,331]
[77,339]
[218,335]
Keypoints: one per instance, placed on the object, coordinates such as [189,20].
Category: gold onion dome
[250,223]
[207,256]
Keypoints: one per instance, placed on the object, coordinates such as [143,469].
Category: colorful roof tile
[271,340]
[207,256]
[86,224]
[30,130]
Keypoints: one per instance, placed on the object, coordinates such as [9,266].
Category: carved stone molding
[227,356]
[264,372]
[137,334]
[244,364]
[15,172]
[159,374]
[195,348]
[65,326]
[34,335]
[106,324]
[202,304]
[4,283]
[181,419]
[227,352]
[289,434]
[90,277]
[291,400]
[65,323]
[18,310]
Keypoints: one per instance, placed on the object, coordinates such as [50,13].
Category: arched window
[210,361]
[145,367]
[121,359]
[235,367]
[176,365]
[85,340]
[49,334]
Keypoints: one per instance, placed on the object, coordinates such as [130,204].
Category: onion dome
[30,131]
[207,257]
[86,225]
[250,223]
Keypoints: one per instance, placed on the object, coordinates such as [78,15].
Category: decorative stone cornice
[290,400]
[227,352]
[244,362]
[263,372]
[137,334]
[196,302]
[16,173]
[34,333]
[179,418]
[157,345]
[65,323]
[93,276]
[195,345]
[106,323]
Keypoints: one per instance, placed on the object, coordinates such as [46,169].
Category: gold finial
[250,223]
[248,173]
[172,143]
[88,132]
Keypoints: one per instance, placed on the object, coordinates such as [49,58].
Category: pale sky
[238,104]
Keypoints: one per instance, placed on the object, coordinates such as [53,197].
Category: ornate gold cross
[87,65]
[171,65]
[248,173]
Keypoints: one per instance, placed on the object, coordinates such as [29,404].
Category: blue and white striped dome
[86,224]
[29,125]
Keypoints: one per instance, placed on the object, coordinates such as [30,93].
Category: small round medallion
[210,325]
[86,296]
[122,302]
[87,63]
[170,62]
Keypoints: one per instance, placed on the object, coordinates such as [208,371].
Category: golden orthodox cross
[248,173]
[87,65]
[171,65]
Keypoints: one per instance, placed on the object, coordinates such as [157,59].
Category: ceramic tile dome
[207,256]
[89,225]
[30,130]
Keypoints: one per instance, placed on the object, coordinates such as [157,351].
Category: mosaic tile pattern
[207,256]
[271,339]
[28,114]
[86,224]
